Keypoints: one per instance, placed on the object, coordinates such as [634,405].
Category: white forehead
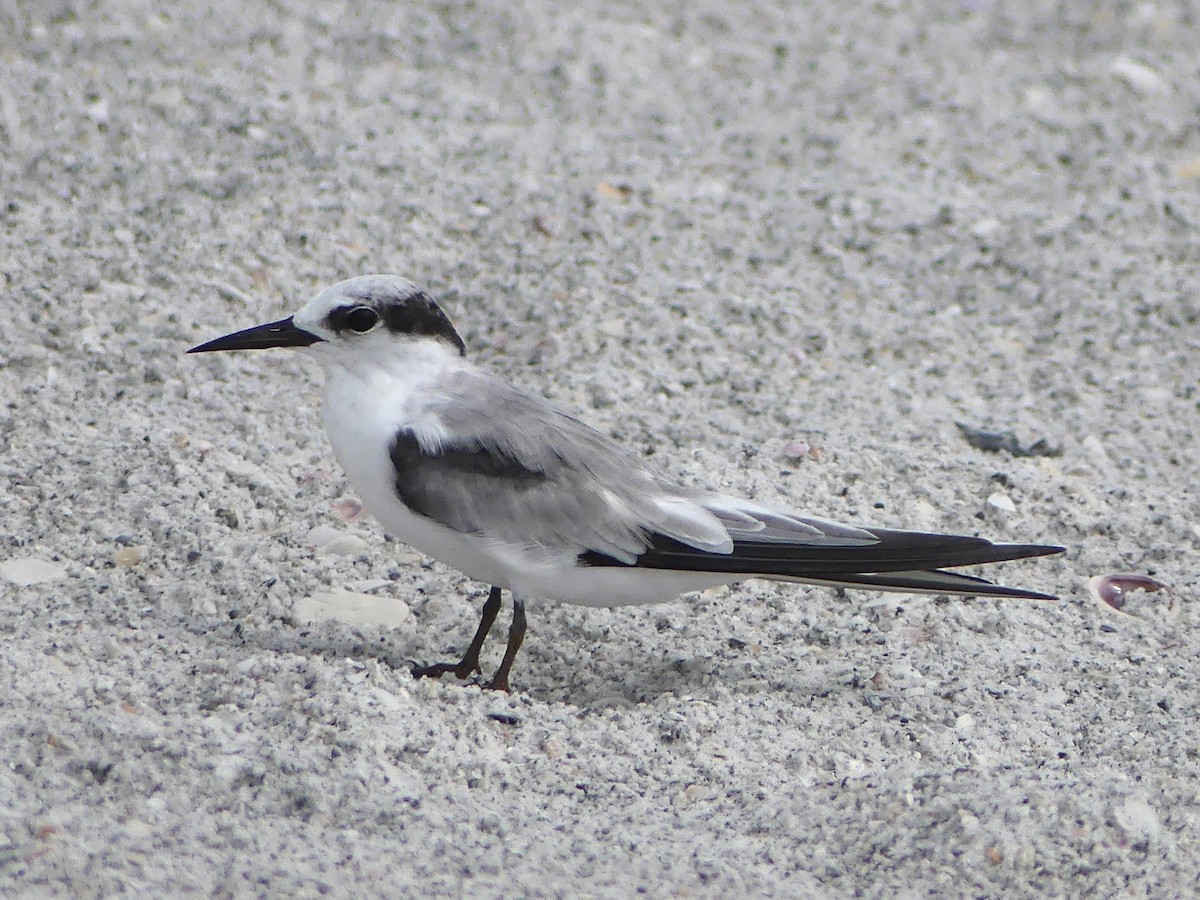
[365,289]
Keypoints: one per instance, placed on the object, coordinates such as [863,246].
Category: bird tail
[927,581]
[884,560]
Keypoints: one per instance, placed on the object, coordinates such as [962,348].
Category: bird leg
[469,664]
[516,634]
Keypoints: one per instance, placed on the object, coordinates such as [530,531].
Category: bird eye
[362,318]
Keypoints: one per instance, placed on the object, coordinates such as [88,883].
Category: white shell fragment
[329,540]
[1139,821]
[1001,502]
[353,608]
[24,572]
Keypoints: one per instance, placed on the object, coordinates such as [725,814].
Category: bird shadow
[552,672]
[707,645]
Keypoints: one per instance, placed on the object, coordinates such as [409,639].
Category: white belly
[616,585]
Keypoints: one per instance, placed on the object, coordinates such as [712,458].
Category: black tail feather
[896,560]
[931,581]
[894,551]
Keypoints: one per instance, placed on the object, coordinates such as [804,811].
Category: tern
[520,495]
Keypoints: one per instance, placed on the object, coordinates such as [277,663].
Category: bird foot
[463,673]
[459,670]
[499,683]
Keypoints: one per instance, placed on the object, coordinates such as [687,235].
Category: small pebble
[366,585]
[505,709]
[985,228]
[619,192]
[796,450]
[127,557]
[97,111]
[614,328]
[1141,78]
[1189,169]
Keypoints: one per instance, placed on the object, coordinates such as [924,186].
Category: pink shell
[797,450]
[347,508]
[1111,589]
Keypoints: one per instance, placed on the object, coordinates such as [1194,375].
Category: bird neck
[395,382]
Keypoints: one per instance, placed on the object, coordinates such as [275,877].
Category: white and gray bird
[518,494]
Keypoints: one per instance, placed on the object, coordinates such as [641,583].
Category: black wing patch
[546,503]
[420,475]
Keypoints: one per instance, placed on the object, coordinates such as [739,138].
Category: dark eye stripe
[411,312]
[418,314]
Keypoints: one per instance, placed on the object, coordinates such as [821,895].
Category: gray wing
[514,469]
[499,463]
[505,465]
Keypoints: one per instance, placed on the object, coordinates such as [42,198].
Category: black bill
[283,333]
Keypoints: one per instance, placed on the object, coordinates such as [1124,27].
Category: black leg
[469,664]
[516,634]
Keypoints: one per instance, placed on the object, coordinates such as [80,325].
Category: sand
[783,249]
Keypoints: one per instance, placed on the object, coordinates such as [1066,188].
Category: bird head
[364,316]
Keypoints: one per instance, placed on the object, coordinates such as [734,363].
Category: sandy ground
[723,235]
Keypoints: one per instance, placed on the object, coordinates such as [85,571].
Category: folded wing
[517,471]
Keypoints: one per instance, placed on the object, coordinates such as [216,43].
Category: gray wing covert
[513,468]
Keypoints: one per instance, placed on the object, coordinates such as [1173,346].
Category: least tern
[520,495]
